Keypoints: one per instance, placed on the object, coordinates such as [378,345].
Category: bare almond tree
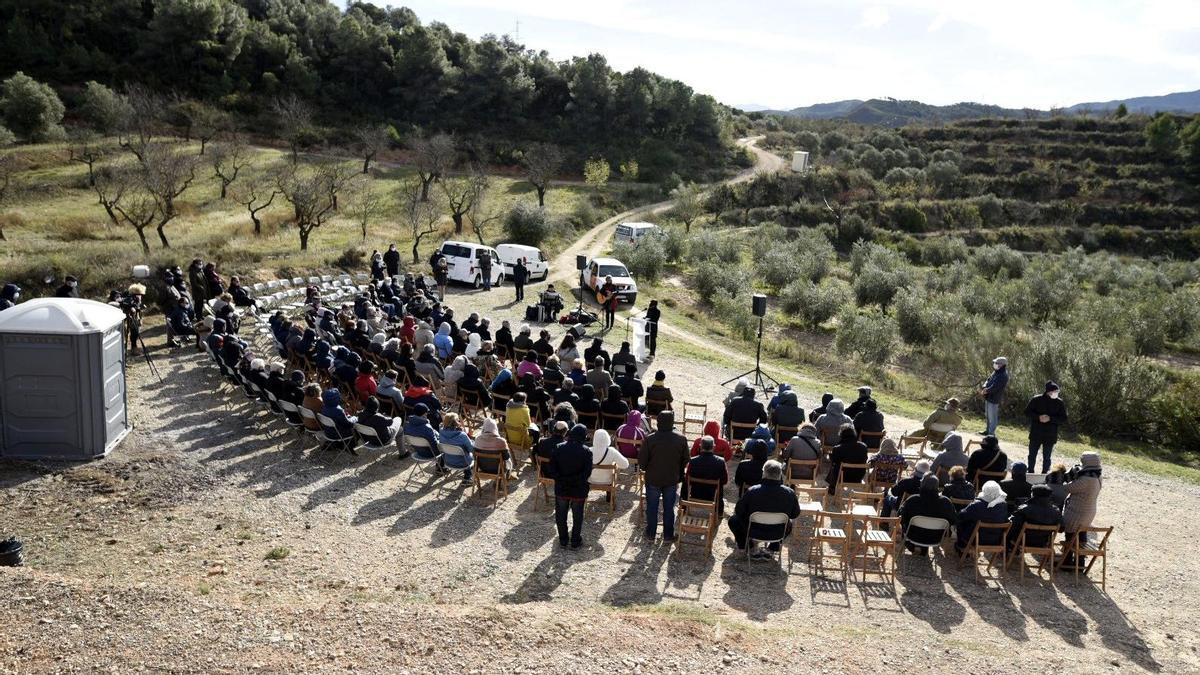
[294,119]
[312,192]
[167,174]
[256,194]
[420,215]
[433,156]
[371,139]
[228,159]
[141,124]
[122,194]
[462,192]
[542,161]
[86,150]
[366,203]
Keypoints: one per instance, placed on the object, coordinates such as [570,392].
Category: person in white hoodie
[604,453]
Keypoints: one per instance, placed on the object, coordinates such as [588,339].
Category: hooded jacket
[332,408]
[804,445]
[927,502]
[749,470]
[603,453]
[613,404]
[763,433]
[788,412]
[457,437]
[408,331]
[869,419]
[820,410]
[952,454]
[419,426]
[443,342]
[632,430]
[721,447]
[570,465]
[745,410]
[415,395]
[664,454]
[979,511]
[1039,510]
[829,424]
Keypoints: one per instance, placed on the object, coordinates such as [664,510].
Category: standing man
[663,457]
[1045,412]
[520,276]
[653,314]
[441,272]
[392,260]
[609,291]
[570,466]
[485,269]
[993,394]
[198,284]
[69,289]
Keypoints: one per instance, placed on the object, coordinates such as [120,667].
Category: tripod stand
[761,379]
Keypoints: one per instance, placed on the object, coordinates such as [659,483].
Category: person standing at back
[520,276]
[570,466]
[1045,412]
[198,284]
[653,315]
[391,259]
[663,458]
[485,269]
[993,393]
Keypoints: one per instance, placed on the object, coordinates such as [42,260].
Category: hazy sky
[777,53]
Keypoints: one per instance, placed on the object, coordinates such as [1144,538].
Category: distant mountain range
[892,112]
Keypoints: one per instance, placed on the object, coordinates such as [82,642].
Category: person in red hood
[419,392]
[408,332]
[721,448]
[365,384]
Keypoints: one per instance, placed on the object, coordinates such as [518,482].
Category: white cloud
[938,23]
[874,16]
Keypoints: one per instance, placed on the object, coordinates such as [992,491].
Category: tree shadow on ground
[1116,631]
[541,582]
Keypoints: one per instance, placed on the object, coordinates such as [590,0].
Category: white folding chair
[430,463]
[370,437]
[766,518]
[451,450]
[940,525]
[318,434]
[336,439]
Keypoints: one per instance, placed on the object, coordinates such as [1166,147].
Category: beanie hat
[1051,385]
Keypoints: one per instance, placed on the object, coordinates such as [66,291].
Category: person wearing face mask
[1045,412]
[69,289]
[992,392]
[9,296]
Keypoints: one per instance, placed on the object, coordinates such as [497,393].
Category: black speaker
[580,262]
[759,304]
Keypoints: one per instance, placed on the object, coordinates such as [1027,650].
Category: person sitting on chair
[387,389]
[633,430]
[631,386]
[604,453]
[543,347]
[940,422]
[904,488]
[928,503]
[804,445]
[385,426]
[613,404]
[750,470]
[951,455]
[418,426]
[990,506]
[1017,486]
[869,419]
[1039,510]
[658,396]
[452,433]
[529,365]
[887,463]
[552,301]
[769,496]
[552,375]
[849,450]
[489,439]
[829,424]
[332,408]
[958,487]
[418,392]
[721,447]
[860,404]
[706,465]
[787,412]
[599,376]
[518,427]
[312,401]
[523,341]
[577,374]
[597,349]
[744,410]
[622,359]
[989,457]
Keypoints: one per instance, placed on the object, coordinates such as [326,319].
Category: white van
[535,260]
[630,233]
[599,269]
[462,262]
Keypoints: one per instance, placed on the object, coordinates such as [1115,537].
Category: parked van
[598,269]
[535,260]
[630,233]
[462,262]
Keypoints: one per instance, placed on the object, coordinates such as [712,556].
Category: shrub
[915,316]
[528,224]
[707,246]
[813,303]
[103,108]
[775,267]
[30,108]
[675,243]
[712,278]
[351,260]
[1176,414]
[878,286]
[645,259]
[6,137]
[584,215]
[939,251]
[278,553]
[869,336]
[907,216]
[992,260]
[851,229]
[1049,294]
[734,310]
[864,254]
[766,236]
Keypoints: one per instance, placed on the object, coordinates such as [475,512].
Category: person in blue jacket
[993,394]
[452,434]
[332,408]
[443,342]
[418,425]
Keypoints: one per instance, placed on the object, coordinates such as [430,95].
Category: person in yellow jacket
[518,427]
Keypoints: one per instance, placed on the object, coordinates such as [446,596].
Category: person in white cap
[993,394]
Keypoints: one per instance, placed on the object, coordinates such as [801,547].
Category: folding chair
[370,438]
[812,502]
[1092,550]
[589,420]
[519,439]
[293,417]
[796,466]
[785,434]
[982,477]
[543,482]
[991,551]
[876,540]
[766,518]
[499,477]
[611,422]
[939,525]
[864,502]
[694,414]
[864,435]
[824,533]
[842,483]
[429,463]
[318,434]
[1037,541]
[451,450]
[336,439]
[877,484]
[697,516]
[609,489]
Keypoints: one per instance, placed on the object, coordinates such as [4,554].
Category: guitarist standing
[609,302]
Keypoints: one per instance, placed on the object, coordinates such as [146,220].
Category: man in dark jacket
[197,283]
[558,434]
[1039,510]
[849,450]
[744,410]
[570,466]
[860,404]
[769,496]
[707,466]
[417,426]
[69,289]
[392,260]
[653,316]
[663,458]
[1017,487]
[520,275]
[869,419]
[927,502]
[904,488]
[631,386]
[993,393]
[597,349]
[788,412]
[485,269]
[1045,413]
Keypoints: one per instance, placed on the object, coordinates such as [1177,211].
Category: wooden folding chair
[959,503]
[698,516]
[1043,554]
[1092,550]
[907,443]
[694,414]
[876,541]
[519,439]
[864,502]
[736,436]
[609,489]
[864,435]
[543,483]
[812,502]
[990,551]
[824,533]
[499,405]
[611,422]
[589,420]
[784,434]
[796,466]
[877,484]
[842,483]
[982,477]
[499,477]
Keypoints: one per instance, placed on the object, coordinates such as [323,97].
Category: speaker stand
[762,381]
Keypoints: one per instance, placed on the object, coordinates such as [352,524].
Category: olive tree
[30,108]
[433,156]
[542,161]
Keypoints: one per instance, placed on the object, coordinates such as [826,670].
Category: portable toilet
[62,379]
[800,161]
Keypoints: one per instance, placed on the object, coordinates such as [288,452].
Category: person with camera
[9,296]
[130,303]
[69,288]
[1045,412]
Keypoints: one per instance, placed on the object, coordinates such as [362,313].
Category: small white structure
[62,379]
[641,338]
[800,161]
